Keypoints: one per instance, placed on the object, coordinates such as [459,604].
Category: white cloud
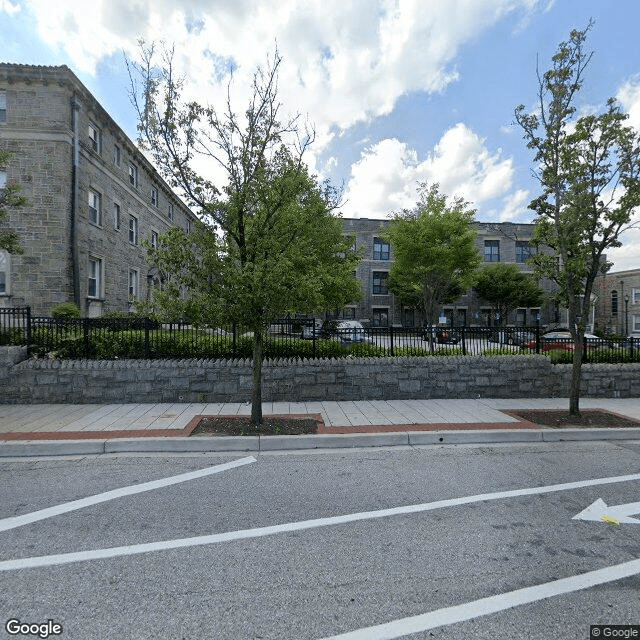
[344,62]
[629,98]
[9,7]
[385,178]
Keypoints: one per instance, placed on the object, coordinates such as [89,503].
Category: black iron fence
[133,337]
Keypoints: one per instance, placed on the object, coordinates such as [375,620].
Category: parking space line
[34,516]
[243,534]
[492,604]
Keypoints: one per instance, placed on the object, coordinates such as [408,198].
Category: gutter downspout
[74,251]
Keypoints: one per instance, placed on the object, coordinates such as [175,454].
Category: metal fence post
[391,338]
[85,332]
[146,338]
[313,340]
[28,329]
[234,331]
[464,342]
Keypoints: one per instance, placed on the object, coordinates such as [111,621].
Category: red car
[562,340]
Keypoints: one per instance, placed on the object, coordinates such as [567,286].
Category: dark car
[442,335]
[511,336]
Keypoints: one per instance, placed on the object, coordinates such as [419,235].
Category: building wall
[42,105]
[468,310]
[617,302]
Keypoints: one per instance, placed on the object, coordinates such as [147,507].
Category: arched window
[614,303]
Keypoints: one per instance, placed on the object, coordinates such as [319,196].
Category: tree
[507,288]
[435,257]
[269,243]
[588,169]
[9,197]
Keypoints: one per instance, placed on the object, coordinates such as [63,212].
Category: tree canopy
[9,198]
[435,256]
[588,168]
[506,288]
[269,242]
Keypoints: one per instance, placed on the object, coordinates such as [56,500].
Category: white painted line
[492,604]
[28,518]
[243,534]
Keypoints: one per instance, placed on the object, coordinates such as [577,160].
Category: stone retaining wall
[87,381]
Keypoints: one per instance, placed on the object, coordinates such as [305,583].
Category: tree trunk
[576,372]
[256,393]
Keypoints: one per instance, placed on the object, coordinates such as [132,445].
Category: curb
[222,444]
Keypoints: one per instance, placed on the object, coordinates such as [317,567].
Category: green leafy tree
[9,198]
[507,288]
[589,173]
[435,256]
[270,243]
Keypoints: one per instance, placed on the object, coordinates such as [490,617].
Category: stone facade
[616,302]
[93,198]
[496,242]
[82,381]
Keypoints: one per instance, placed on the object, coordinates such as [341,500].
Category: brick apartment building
[93,197]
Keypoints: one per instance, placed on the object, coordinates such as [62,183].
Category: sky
[400,92]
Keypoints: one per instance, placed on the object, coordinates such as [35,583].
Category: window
[521,317]
[380,249]
[614,303]
[408,318]
[492,250]
[349,313]
[133,175]
[134,277]
[154,196]
[3,105]
[95,278]
[117,155]
[380,282]
[94,137]
[170,212]
[524,251]
[188,225]
[380,317]
[635,299]
[3,181]
[5,272]
[95,207]
[636,324]
[116,216]
[133,230]
[154,239]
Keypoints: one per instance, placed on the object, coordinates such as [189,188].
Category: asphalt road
[327,577]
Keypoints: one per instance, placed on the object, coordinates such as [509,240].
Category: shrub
[65,311]
[11,336]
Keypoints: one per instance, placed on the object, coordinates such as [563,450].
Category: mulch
[298,425]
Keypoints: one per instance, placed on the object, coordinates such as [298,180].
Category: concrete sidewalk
[85,429]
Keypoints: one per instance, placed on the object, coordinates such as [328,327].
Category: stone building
[616,302]
[496,242]
[93,197]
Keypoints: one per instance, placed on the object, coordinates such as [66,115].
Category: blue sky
[400,92]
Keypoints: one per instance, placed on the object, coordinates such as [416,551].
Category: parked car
[562,340]
[442,335]
[511,335]
[350,331]
[311,329]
